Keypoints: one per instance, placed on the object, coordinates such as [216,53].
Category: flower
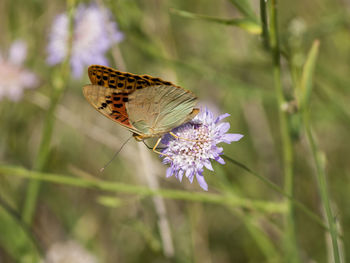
[13,77]
[93,34]
[70,252]
[196,146]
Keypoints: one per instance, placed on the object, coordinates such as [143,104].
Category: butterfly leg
[155,148]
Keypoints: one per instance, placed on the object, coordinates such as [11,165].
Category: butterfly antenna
[147,145]
[115,155]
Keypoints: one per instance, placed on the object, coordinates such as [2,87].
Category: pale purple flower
[14,78]
[70,252]
[93,35]
[197,146]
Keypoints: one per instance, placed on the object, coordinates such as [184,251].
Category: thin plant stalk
[59,85]
[264,24]
[322,184]
[305,89]
[290,237]
[276,188]
[108,186]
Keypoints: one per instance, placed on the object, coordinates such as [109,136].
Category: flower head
[69,251]
[13,77]
[94,33]
[196,146]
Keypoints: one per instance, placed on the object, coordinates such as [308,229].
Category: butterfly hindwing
[158,109]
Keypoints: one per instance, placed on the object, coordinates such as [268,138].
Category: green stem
[58,82]
[265,30]
[44,149]
[290,238]
[321,178]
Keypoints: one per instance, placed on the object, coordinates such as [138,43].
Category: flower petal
[201,181]
[231,137]
[223,127]
[220,160]
[169,172]
[180,175]
[221,117]
[190,177]
[208,165]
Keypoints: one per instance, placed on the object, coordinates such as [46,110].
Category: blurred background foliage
[215,49]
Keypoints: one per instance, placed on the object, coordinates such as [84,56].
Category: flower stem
[58,82]
[290,238]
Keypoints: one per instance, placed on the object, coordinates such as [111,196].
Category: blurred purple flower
[94,33]
[69,251]
[189,157]
[13,77]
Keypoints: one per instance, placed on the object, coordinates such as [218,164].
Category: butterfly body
[147,106]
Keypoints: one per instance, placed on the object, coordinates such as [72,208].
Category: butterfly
[146,106]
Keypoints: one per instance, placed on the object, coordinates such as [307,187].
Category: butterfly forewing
[127,82]
[109,102]
[145,105]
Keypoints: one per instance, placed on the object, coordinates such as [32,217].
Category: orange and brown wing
[115,79]
[110,90]
[109,102]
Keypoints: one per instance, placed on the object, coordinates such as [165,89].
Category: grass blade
[245,8]
[305,88]
[244,23]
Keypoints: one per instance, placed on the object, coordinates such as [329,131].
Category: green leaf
[305,87]
[247,24]
[245,8]
[14,238]
[109,201]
